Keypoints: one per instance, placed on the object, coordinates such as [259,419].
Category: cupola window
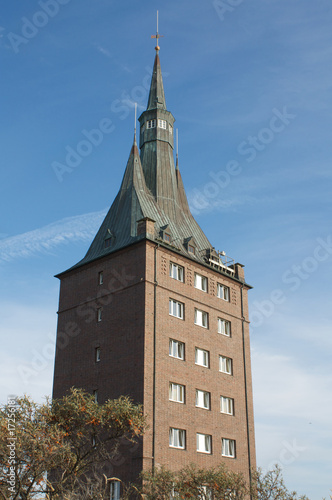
[151,124]
[162,124]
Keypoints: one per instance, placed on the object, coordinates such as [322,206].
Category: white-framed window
[202,357]
[205,493]
[97,354]
[176,349]
[95,395]
[176,271]
[201,318]
[99,314]
[228,448]
[225,365]
[162,124]
[204,443]
[170,129]
[177,438]
[115,490]
[201,282]
[203,399]
[227,405]
[176,308]
[224,327]
[176,392]
[100,278]
[223,292]
[151,124]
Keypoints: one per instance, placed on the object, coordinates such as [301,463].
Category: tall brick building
[153,311]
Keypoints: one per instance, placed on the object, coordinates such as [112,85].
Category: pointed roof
[157,94]
[151,188]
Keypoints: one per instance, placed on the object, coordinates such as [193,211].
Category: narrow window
[226,405]
[223,292]
[177,438]
[176,392]
[201,357]
[99,314]
[203,399]
[176,308]
[100,278]
[97,354]
[201,318]
[95,395]
[204,442]
[228,448]
[201,282]
[176,349]
[224,327]
[115,490]
[225,365]
[176,271]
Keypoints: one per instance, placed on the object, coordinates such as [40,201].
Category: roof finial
[177,148]
[135,120]
[157,36]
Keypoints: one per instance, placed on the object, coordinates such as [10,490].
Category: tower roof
[151,188]
[157,94]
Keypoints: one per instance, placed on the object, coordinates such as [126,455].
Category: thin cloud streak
[43,240]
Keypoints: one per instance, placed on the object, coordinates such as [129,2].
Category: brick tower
[153,311]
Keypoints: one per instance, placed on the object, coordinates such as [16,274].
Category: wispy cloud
[43,240]
[103,51]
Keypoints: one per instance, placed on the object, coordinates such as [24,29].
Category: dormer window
[166,234]
[108,239]
[190,245]
[191,249]
[162,124]
[151,124]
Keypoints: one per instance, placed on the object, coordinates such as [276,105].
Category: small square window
[228,448]
[176,271]
[99,314]
[176,392]
[226,405]
[223,292]
[97,354]
[225,365]
[100,278]
[203,399]
[176,349]
[224,327]
[162,124]
[201,282]
[151,124]
[202,357]
[204,442]
[201,318]
[177,438]
[176,309]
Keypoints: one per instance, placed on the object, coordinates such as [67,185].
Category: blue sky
[249,84]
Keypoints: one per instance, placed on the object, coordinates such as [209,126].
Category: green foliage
[271,486]
[69,436]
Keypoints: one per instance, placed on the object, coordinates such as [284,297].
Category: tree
[271,486]
[70,436]
[192,482]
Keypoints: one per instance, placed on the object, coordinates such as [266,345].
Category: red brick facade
[127,318]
